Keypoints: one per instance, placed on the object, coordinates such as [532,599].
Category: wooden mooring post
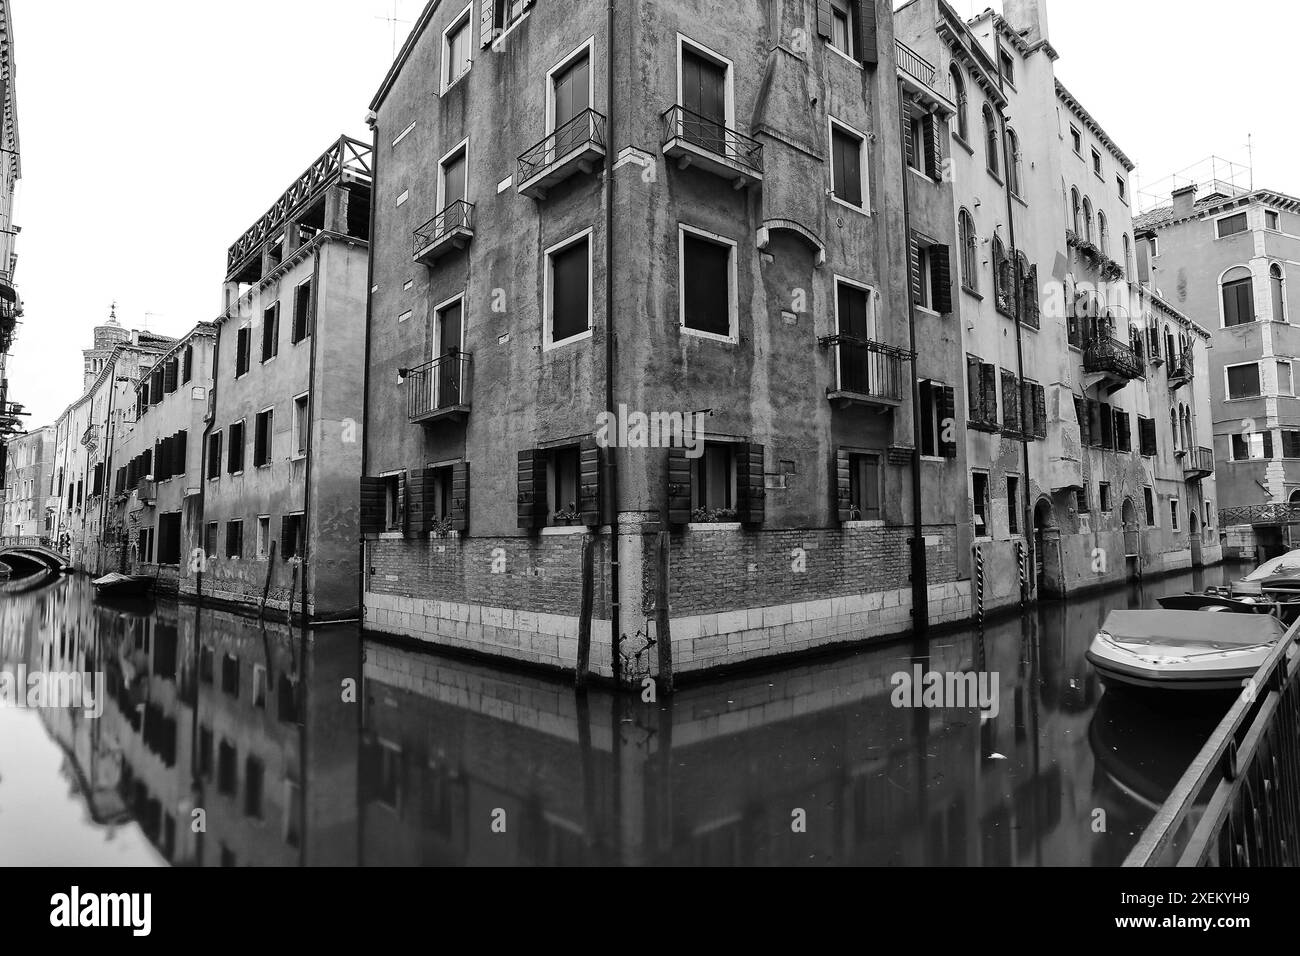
[583,664]
[266,588]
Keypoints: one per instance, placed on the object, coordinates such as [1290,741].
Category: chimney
[1184,200]
[1028,17]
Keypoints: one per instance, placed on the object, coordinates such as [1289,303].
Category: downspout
[305,558]
[611,472]
[203,465]
[1027,526]
[920,590]
[373,121]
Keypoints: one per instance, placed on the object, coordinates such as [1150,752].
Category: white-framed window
[1277,292]
[453,175]
[705,83]
[850,185]
[263,535]
[569,93]
[706,278]
[456,48]
[1231,225]
[1285,385]
[842,27]
[1242,380]
[1173,514]
[1236,296]
[979,484]
[300,425]
[568,291]
[856,304]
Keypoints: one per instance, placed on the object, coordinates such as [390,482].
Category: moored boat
[114,584]
[1272,588]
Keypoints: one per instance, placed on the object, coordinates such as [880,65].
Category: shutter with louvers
[1010,402]
[1027,410]
[749,483]
[532,488]
[1040,412]
[867,42]
[419,500]
[487,21]
[941,278]
[1147,436]
[169,376]
[589,481]
[909,148]
[460,496]
[1107,425]
[179,453]
[679,486]
[843,487]
[934,158]
[947,422]
[974,401]
[824,24]
[1081,413]
[372,509]
[989,374]
[1123,437]
[914,266]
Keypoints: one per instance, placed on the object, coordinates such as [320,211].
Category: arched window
[1074,210]
[1103,233]
[1186,417]
[968,239]
[999,257]
[959,97]
[1170,354]
[1173,426]
[1128,257]
[1277,289]
[1136,344]
[1013,161]
[1238,296]
[991,139]
[1087,218]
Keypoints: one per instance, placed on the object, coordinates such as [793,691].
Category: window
[848,163]
[1103,495]
[1272,220]
[713,478]
[226,781]
[1013,504]
[170,376]
[1277,291]
[1284,378]
[235,539]
[263,535]
[1010,403]
[214,455]
[271,332]
[253,775]
[1290,443]
[394,502]
[1096,162]
[1103,233]
[1076,141]
[568,280]
[703,79]
[1248,446]
[235,452]
[1083,498]
[938,426]
[570,98]
[969,251]
[1075,224]
[291,536]
[1173,514]
[842,27]
[1123,436]
[1238,296]
[959,97]
[1087,218]
[564,467]
[991,139]
[262,439]
[708,284]
[864,486]
[1149,503]
[241,352]
[1007,66]
[205,733]
[442,482]
[1122,187]
[210,539]
[456,49]
[1013,161]
[259,686]
[453,181]
[187,365]
[1243,380]
[504,15]
[1128,256]
[169,538]
[302,311]
[980,502]
[230,675]
[300,426]
[1231,225]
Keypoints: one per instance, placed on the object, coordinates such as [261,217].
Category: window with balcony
[1243,380]
[456,45]
[568,290]
[1238,296]
[452,176]
[570,97]
[271,332]
[848,163]
[708,284]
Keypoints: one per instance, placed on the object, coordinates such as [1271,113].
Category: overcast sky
[154,132]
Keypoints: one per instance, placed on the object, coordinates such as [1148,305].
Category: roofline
[118,347]
[1189,323]
[203,328]
[421,22]
[9,108]
[1016,38]
[1077,108]
[975,58]
[1200,212]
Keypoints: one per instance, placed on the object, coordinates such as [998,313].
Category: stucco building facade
[26,486]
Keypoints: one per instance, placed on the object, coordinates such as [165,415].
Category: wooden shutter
[169,376]
[1147,436]
[750,491]
[372,509]
[1010,402]
[1027,409]
[824,26]
[843,487]
[934,161]
[1124,438]
[1029,306]
[909,148]
[914,266]
[589,481]
[1081,413]
[866,17]
[679,486]
[460,496]
[419,500]
[179,453]
[989,391]
[947,422]
[487,21]
[941,278]
[532,488]
[1040,412]
[974,389]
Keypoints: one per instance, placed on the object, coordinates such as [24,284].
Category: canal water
[266,745]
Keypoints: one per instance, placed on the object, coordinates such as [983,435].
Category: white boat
[1182,650]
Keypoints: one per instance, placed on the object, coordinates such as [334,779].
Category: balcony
[695,140]
[1109,363]
[867,372]
[914,65]
[439,389]
[1198,463]
[1181,371]
[571,149]
[451,229]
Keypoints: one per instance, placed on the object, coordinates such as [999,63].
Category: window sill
[571,340]
[496,41]
[560,529]
[863,523]
[452,85]
[714,526]
[862,210]
[1020,199]
[926,310]
[390,535]
[922,174]
[845,56]
[995,176]
[709,336]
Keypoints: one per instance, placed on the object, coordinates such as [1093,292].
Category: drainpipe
[305,557]
[920,589]
[1027,516]
[373,120]
[203,464]
[611,472]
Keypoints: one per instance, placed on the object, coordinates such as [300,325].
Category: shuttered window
[241,352]
[570,291]
[846,166]
[271,332]
[262,439]
[1243,380]
[1238,297]
[706,285]
[235,448]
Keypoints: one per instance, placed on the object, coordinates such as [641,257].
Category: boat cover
[1185,628]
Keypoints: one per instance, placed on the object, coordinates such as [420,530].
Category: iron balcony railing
[1111,356]
[712,137]
[915,65]
[869,369]
[1198,463]
[1180,372]
[457,215]
[1278,513]
[1238,804]
[438,386]
[588,127]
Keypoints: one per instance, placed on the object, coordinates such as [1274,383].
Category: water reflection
[262,745]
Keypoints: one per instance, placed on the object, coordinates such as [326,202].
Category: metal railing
[457,215]
[1112,356]
[869,368]
[438,385]
[1279,513]
[1182,369]
[712,137]
[587,127]
[915,65]
[1238,804]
